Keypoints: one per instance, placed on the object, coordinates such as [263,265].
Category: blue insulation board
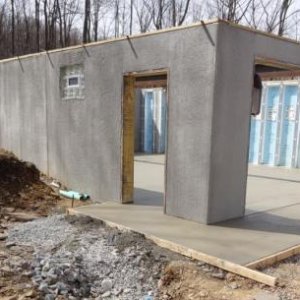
[288,125]
[148,122]
[272,115]
[163,124]
[254,140]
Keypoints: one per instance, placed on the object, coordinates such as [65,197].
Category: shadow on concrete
[148,162]
[268,221]
[148,197]
[274,178]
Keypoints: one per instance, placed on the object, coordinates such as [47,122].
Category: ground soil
[21,187]
[27,194]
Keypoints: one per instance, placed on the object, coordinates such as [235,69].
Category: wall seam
[46,117]
[210,176]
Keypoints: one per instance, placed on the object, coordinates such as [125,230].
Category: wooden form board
[128,113]
[280,75]
[151,84]
[212,260]
[152,81]
[285,66]
[275,258]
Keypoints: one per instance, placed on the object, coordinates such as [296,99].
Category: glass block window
[72,82]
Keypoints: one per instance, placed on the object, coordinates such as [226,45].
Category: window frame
[68,92]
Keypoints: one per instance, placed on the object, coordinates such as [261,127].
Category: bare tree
[96,6]
[37,24]
[285,6]
[12,27]
[271,13]
[99,7]
[60,21]
[230,10]
[46,33]
[117,17]
[254,15]
[276,16]
[29,25]
[70,10]
[131,17]
[158,10]
[123,18]
[179,11]
[53,18]
[296,26]
[87,22]
[197,11]
[144,16]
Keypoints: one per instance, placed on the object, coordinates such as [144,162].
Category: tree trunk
[12,27]
[27,36]
[117,17]
[131,17]
[181,20]
[87,22]
[46,26]
[173,12]
[283,16]
[61,40]
[37,24]
[96,19]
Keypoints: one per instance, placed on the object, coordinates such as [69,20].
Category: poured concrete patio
[271,224]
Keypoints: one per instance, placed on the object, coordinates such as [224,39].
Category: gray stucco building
[69,111]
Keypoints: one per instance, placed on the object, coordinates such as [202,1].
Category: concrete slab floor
[271,225]
[149,179]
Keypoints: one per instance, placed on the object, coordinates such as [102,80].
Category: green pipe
[74,195]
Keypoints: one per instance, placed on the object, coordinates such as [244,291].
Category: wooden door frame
[130,82]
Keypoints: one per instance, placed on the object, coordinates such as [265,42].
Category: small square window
[72,82]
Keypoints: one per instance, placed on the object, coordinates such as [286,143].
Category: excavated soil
[22,187]
[25,195]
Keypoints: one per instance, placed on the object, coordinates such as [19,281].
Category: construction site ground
[46,254]
[271,224]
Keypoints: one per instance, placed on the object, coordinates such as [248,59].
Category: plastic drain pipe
[74,195]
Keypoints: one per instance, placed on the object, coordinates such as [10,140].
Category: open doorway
[144,138]
[274,143]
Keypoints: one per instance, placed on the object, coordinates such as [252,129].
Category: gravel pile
[44,233]
[81,259]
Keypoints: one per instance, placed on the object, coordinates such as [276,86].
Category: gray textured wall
[209,98]
[23,109]
[78,142]
[236,53]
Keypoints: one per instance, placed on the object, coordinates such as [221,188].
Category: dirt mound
[21,186]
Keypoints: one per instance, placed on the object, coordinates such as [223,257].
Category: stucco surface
[210,74]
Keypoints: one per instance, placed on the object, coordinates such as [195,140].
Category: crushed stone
[78,258]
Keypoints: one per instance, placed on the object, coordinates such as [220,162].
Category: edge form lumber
[274,258]
[214,261]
